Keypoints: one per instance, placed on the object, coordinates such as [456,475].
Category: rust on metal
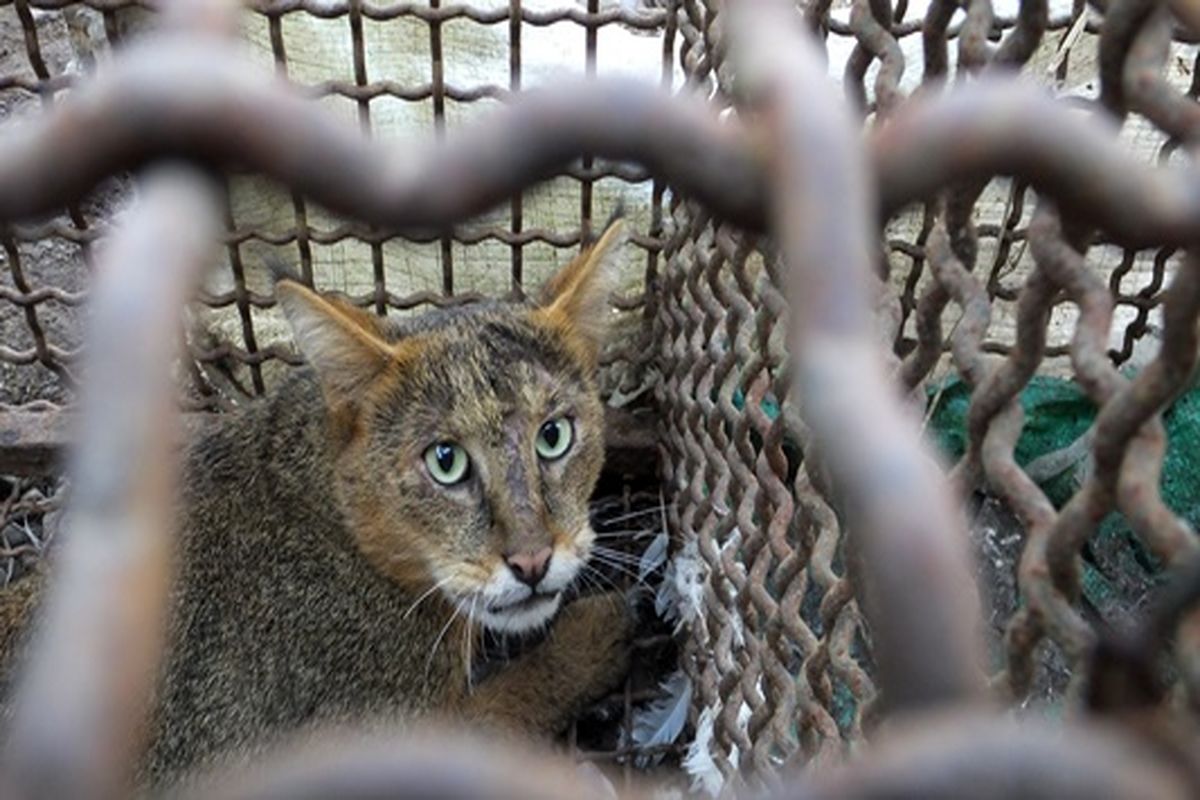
[785,362]
[79,702]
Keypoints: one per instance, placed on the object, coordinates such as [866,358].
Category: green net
[1116,565]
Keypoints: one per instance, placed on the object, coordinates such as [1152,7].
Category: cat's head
[468,441]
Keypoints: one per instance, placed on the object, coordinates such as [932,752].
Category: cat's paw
[584,657]
[595,635]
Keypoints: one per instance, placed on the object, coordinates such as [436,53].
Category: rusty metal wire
[56,350]
[77,714]
[906,531]
[941,153]
[836,590]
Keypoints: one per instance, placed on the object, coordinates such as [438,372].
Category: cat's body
[330,572]
[269,465]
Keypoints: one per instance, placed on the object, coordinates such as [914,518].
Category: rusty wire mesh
[40,342]
[780,654]
[235,346]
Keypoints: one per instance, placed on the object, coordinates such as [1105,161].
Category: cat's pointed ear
[576,300]
[344,344]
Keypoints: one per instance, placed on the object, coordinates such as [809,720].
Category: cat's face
[475,466]
[469,442]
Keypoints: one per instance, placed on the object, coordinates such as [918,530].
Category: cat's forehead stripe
[504,331]
[508,343]
[495,353]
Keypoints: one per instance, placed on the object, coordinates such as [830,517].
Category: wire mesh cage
[398,70]
[779,654]
[983,297]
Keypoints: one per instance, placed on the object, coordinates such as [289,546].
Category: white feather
[653,556]
[661,722]
[735,755]
[680,596]
[698,763]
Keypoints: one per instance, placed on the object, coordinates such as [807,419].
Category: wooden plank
[30,442]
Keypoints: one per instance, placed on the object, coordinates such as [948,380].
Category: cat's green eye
[447,462]
[554,438]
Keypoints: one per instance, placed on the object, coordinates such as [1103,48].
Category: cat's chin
[530,614]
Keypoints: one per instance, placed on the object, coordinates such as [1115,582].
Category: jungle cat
[346,542]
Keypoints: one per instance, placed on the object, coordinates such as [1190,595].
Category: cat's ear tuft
[344,344]
[576,300]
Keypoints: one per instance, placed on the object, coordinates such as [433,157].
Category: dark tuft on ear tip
[280,270]
[594,234]
[288,293]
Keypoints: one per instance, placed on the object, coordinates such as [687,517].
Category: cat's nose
[529,568]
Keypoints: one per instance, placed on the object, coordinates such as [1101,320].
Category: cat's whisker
[600,575]
[631,567]
[593,574]
[587,580]
[621,568]
[611,549]
[640,512]
[633,579]
[631,533]
[423,596]
[621,524]
[470,636]
[617,555]
[436,642]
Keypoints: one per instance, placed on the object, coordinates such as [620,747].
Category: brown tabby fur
[313,534]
